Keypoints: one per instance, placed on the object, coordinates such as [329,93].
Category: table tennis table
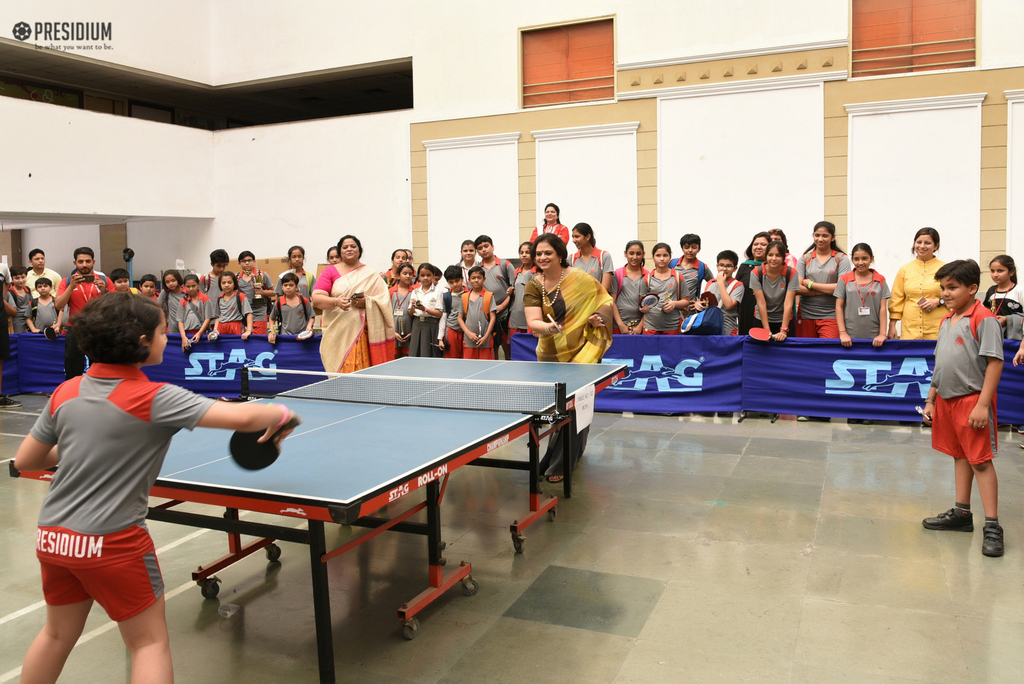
[337,467]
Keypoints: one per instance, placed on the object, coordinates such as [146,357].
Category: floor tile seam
[633,640]
[916,611]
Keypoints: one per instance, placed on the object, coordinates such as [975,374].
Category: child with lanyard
[292,312]
[297,261]
[258,287]
[862,300]
[18,302]
[401,299]
[210,284]
[524,274]
[170,296]
[449,336]
[193,312]
[427,308]
[1004,298]
[232,308]
[663,317]
[626,287]
[108,432]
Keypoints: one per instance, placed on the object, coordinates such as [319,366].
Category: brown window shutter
[900,36]
[569,64]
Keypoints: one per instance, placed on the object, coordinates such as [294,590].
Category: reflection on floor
[693,550]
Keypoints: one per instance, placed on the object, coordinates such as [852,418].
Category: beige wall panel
[993,198]
[527,167]
[992,241]
[648,232]
[648,140]
[993,157]
[647,213]
[993,220]
[527,150]
[836,127]
[993,136]
[647,195]
[418,158]
[993,178]
[993,114]
[527,200]
[419,224]
[418,174]
[836,147]
[527,185]
[419,206]
[647,159]
[835,166]
[835,185]
[419,191]
[835,205]
[647,177]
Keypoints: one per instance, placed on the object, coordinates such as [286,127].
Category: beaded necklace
[554,293]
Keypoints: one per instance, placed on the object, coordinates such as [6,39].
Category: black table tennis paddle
[49,333]
[251,454]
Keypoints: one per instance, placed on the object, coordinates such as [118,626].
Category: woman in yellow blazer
[916,296]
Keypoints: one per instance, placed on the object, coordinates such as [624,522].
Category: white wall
[1000,27]
[590,173]
[465,54]
[166,38]
[911,169]
[731,165]
[310,183]
[72,161]
[1015,177]
[159,243]
[59,244]
[472,189]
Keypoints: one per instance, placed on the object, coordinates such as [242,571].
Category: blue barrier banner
[10,383]
[667,373]
[1010,395]
[41,362]
[214,368]
[811,377]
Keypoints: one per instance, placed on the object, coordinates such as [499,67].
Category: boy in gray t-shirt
[961,404]
[728,291]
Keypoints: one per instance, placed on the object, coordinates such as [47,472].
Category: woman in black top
[755,257]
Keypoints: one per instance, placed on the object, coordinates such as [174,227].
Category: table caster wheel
[273,553]
[517,542]
[552,513]
[470,586]
[410,628]
[209,588]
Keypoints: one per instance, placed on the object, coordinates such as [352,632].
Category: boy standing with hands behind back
[962,401]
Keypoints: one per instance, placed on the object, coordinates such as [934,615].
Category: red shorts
[513,331]
[825,328]
[453,343]
[485,353]
[952,435]
[118,570]
[660,332]
[232,328]
[260,328]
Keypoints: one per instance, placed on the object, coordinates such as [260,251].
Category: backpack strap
[620,273]
[446,299]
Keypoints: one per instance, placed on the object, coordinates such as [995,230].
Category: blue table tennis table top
[345,451]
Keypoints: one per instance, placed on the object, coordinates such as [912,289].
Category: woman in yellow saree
[358,331]
[571,315]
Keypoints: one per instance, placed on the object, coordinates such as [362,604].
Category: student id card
[863,310]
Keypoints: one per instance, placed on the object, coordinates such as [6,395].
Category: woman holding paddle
[359,330]
[571,314]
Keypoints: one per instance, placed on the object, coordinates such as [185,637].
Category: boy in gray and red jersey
[962,401]
[108,431]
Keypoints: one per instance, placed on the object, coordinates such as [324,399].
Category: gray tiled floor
[696,549]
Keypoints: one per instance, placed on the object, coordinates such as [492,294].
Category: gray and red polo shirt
[963,349]
[113,427]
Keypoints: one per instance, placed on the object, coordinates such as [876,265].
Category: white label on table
[584,408]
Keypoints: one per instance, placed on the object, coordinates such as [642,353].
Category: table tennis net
[510,397]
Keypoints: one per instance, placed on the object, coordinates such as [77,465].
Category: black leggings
[74,357]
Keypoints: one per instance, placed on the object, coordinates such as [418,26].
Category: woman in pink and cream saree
[358,326]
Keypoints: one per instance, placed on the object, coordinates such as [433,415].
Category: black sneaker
[951,520]
[7,402]
[992,544]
